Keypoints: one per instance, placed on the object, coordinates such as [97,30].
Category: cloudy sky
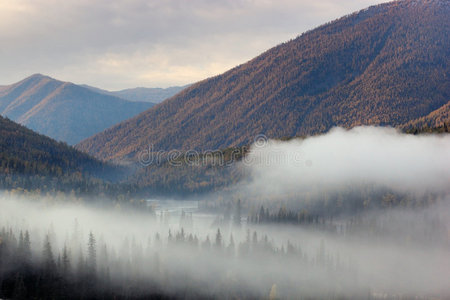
[116,44]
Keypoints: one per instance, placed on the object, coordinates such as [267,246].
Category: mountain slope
[385,65]
[62,110]
[154,95]
[436,118]
[25,152]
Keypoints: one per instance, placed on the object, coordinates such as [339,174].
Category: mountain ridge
[436,118]
[384,65]
[63,110]
[25,152]
[142,94]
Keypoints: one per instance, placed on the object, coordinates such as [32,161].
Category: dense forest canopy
[25,152]
[31,162]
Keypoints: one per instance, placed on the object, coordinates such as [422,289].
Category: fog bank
[395,253]
[377,156]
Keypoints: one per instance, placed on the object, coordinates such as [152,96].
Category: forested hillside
[34,162]
[385,65]
[23,151]
[437,118]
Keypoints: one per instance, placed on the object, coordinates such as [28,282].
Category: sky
[117,44]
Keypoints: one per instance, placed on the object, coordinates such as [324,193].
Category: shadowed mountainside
[25,152]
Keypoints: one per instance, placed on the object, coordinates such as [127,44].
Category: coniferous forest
[159,254]
[319,169]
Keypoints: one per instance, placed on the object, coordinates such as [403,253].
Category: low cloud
[377,156]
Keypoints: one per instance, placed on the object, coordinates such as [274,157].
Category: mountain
[63,110]
[154,95]
[436,118]
[31,162]
[25,152]
[385,65]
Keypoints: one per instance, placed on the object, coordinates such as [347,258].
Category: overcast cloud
[116,44]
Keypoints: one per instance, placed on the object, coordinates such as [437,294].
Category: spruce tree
[92,254]
[218,243]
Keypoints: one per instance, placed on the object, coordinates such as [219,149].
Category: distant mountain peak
[154,95]
[63,110]
[38,76]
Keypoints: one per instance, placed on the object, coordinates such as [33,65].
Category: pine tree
[49,261]
[231,247]
[206,245]
[65,262]
[254,241]
[262,218]
[92,255]
[27,248]
[218,243]
[20,250]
